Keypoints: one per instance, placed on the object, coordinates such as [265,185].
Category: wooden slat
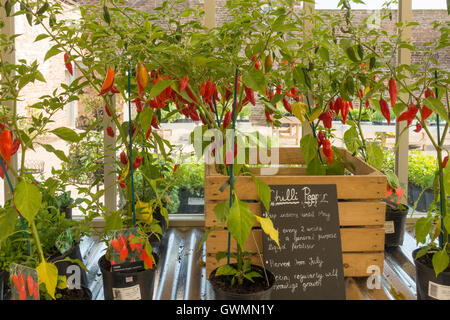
[348,187]
[355,264]
[361,167]
[351,213]
[353,240]
[352,290]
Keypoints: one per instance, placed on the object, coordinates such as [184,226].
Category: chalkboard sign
[308,263]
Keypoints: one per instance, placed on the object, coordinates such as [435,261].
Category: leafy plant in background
[85,159]
[421,169]
[416,92]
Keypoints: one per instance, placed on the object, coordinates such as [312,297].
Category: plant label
[125,250]
[308,264]
[24,282]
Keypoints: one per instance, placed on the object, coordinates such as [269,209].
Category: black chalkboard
[308,264]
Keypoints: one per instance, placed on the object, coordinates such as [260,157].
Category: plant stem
[38,242]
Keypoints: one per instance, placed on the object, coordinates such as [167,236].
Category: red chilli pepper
[429,93]
[250,95]
[320,138]
[123,253]
[110,132]
[15,146]
[227,119]
[418,127]
[137,162]
[155,122]
[6,144]
[328,152]
[444,162]
[425,113]
[409,114]
[107,110]
[123,158]
[344,111]
[138,103]
[393,91]
[147,135]
[108,83]
[116,245]
[385,110]
[30,285]
[327,119]
[183,83]
[287,105]
[68,64]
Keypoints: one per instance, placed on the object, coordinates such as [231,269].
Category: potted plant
[413,103]
[191,177]
[26,208]
[421,174]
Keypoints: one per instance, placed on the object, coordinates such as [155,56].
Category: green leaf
[27,199]
[351,140]
[375,155]
[113,222]
[66,134]
[447,222]
[422,228]
[252,275]
[7,223]
[269,229]
[52,52]
[159,87]
[59,153]
[440,261]
[145,118]
[226,270]
[437,106]
[309,147]
[240,221]
[41,37]
[48,275]
[315,168]
[222,210]
[264,193]
[351,54]
[255,80]
[392,180]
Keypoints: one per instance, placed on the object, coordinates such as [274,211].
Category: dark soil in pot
[75,294]
[395,222]
[428,286]
[137,285]
[257,290]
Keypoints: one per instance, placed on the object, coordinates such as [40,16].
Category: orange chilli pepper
[108,83]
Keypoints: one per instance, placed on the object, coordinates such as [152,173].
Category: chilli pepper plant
[20,215]
[415,92]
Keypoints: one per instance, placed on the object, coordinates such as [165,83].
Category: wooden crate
[361,211]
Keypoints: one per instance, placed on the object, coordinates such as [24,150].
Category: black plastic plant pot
[67,211]
[3,283]
[428,286]
[127,285]
[223,290]
[395,226]
[189,202]
[153,239]
[63,266]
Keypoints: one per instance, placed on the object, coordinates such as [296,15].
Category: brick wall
[54,71]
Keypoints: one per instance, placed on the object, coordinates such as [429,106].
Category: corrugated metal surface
[181,275]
